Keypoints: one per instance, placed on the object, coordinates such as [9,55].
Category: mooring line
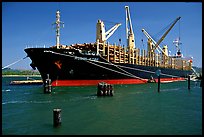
[14,62]
[91,61]
[118,66]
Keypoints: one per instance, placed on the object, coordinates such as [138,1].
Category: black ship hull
[70,67]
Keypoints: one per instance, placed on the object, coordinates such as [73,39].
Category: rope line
[89,61]
[124,70]
[110,69]
[136,69]
[149,71]
[118,66]
[14,62]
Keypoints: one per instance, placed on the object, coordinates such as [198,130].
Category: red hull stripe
[115,81]
[170,79]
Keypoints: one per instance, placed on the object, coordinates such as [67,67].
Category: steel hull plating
[69,67]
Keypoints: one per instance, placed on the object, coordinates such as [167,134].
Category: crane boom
[111,31]
[128,19]
[154,42]
[103,35]
[129,32]
[162,38]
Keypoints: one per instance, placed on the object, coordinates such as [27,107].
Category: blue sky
[29,24]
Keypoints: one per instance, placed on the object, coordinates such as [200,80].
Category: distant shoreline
[21,75]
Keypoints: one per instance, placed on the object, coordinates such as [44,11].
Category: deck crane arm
[128,19]
[129,32]
[149,37]
[101,34]
[111,31]
[154,42]
[162,38]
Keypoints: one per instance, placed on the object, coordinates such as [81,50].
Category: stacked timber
[119,54]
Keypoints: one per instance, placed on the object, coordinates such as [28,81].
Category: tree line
[9,71]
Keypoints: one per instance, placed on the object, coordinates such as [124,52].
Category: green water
[133,110]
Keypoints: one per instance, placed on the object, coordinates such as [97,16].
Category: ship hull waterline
[69,67]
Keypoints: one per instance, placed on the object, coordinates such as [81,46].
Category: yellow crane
[101,34]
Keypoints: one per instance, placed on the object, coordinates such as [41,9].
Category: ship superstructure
[91,63]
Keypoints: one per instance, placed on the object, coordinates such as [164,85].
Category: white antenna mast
[58,22]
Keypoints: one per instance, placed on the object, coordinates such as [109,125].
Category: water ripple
[6,90]
[24,102]
[173,89]
[83,98]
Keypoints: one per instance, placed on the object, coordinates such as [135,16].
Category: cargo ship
[90,63]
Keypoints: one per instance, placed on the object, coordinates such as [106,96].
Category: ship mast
[58,23]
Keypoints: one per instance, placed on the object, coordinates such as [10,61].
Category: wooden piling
[158,75]
[111,91]
[57,117]
[99,91]
[47,85]
[104,89]
[188,81]
[159,83]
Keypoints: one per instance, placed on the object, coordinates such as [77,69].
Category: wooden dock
[27,82]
